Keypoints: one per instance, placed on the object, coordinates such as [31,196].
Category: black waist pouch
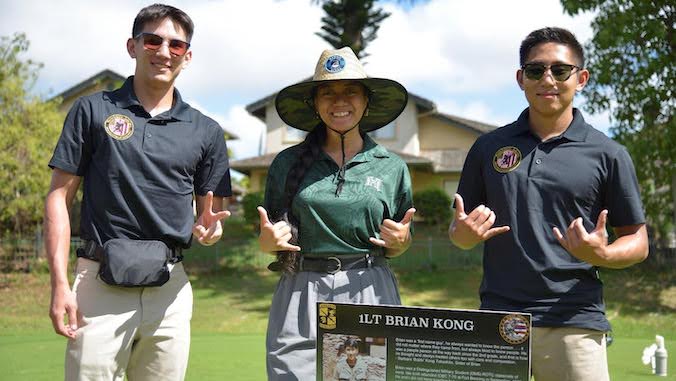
[131,263]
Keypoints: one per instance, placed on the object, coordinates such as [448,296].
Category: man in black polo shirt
[549,182]
[141,153]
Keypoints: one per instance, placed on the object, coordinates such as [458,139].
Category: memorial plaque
[417,343]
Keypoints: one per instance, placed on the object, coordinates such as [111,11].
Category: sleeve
[213,173]
[404,195]
[623,198]
[73,150]
[471,186]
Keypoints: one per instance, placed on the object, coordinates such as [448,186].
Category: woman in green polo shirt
[336,206]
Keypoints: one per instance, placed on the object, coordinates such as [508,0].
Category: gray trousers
[292,325]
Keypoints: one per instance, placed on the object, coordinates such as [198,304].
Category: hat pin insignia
[334,64]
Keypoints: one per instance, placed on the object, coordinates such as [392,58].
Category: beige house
[104,80]
[432,144]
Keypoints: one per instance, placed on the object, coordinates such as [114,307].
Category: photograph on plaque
[399,343]
[351,357]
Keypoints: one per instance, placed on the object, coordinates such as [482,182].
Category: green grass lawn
[232,292]
[223,356]
[231,314]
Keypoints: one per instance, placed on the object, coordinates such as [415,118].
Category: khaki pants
[569,354]
[143,333]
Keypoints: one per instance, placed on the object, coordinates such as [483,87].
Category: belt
[93,251]
[333,264]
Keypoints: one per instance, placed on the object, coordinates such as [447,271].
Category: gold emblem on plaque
[327,316]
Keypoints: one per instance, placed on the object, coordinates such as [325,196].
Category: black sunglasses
[151,41]
[560,72]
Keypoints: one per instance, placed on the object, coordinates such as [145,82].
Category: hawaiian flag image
[520,327]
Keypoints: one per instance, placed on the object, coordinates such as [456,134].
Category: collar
[368,152]
[124,97]
[576,131]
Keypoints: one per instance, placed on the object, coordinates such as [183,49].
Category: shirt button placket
[536,164]
[146,134]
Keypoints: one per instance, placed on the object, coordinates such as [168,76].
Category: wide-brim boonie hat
[387,98]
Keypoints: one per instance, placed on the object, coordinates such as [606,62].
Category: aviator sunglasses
[560,72]
[151,41]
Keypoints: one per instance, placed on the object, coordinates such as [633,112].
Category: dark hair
[351,342]
[310,149]
[157,12]
[551,34]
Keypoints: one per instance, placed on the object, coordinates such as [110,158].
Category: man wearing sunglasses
[141,153]
[539,193]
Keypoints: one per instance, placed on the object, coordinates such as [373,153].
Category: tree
[352,23]
[30,127]
[632,59]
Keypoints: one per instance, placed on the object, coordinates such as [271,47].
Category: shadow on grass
[641,289]
[446,288]
[251,289]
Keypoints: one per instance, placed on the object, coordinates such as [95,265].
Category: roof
[257,162]
[245,166]
[98,77]
[462,122]
[257,108]
[108,74]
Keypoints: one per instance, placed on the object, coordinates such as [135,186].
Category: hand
[274,237]
[395,236]
[588,247]
[207,229]
[468,230]
[63,304]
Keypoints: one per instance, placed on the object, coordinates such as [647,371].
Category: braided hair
[310,149]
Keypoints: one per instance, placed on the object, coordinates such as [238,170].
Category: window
[387,132]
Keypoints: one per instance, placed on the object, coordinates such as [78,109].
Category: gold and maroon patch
[119,126]
[506,159]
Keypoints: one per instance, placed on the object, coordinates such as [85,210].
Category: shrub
[434,205]
[249,203]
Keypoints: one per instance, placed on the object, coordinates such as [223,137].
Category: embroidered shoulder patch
[506,159]
[119,126]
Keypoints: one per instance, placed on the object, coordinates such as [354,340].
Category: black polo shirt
[533,186]
[140,171]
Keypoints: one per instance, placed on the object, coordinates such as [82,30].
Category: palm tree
[352,23]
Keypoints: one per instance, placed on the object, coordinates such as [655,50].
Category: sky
[461,55]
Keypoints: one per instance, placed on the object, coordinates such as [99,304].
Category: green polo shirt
[377,186]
